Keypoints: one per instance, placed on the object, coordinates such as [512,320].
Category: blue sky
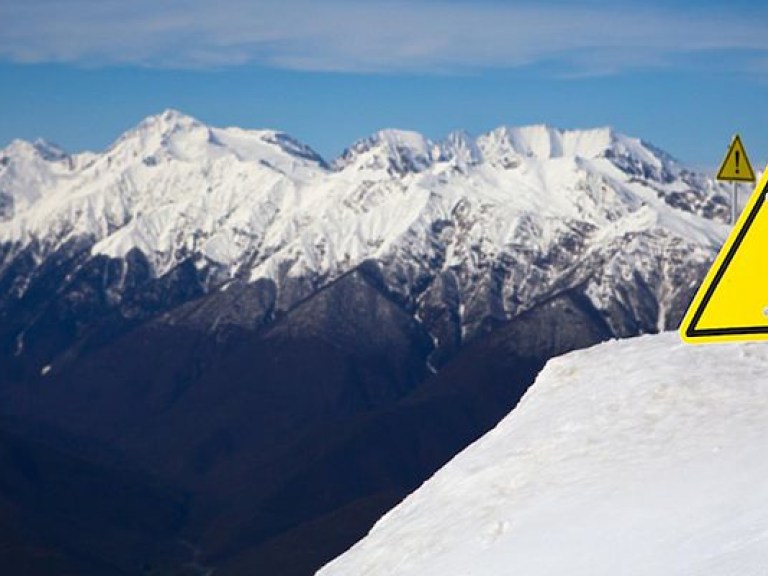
[684,75]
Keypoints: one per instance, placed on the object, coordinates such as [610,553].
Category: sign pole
[734,204]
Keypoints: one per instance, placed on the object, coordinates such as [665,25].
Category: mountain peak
[157,132]
[544,142]
[399,137]
[292,146]
[172,134]
[392,150]
[40,148]
[461,148]
[169,118]
[167,122]
[48,150]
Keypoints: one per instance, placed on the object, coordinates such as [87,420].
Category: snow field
[635,457]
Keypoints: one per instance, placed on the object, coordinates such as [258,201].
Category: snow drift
[643,456]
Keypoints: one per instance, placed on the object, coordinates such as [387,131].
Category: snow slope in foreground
[642,456]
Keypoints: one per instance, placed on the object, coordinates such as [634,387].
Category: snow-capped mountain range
[486,226]
[644,456]
[251,322]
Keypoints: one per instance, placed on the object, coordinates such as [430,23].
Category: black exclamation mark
[737,161]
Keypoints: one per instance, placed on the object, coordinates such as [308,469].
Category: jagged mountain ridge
[477,230]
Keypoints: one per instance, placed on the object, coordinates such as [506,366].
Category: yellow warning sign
[732,302]
[736,166]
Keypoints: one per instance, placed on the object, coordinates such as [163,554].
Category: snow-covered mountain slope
[642,456]
[481,229]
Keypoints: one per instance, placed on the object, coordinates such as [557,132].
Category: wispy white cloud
[367,35]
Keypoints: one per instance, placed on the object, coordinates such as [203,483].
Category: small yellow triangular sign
[736,166]
[732,302]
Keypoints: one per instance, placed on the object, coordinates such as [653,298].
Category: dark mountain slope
[280,431]
[61,513]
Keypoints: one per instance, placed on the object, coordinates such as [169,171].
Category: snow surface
[636,457]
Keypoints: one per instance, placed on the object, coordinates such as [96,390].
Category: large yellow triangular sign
[736,166]
[732,302]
